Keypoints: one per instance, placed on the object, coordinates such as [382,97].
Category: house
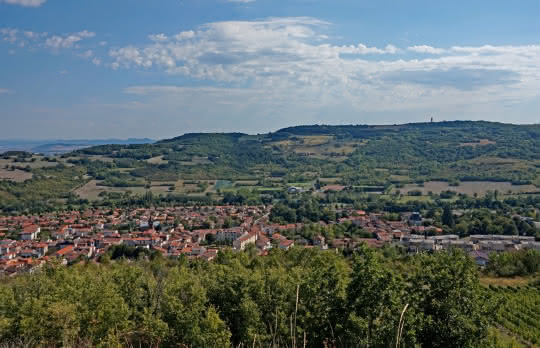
[416,244]
[286,244]
[229,235]
[492,245]
[320,241]
[8,256]
[7,246]
[209,255]
[111,234]
[263,242]
[197,251]
[65,251]
[41,249]
[248,238]
[142,242]
[457,244]
[532,245]
[30,232]
[26,253]
[415,219]
[278,237]
[480,258]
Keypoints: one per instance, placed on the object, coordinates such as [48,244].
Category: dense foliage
[518,263]
[297,298]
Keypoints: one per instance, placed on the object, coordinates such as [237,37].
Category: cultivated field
[157,160]
[91,190]
[15,175]
[468,187]
[34,162]
[319,146]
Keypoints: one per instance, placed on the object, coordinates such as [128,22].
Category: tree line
[298,298]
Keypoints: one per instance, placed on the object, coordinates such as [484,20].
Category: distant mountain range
[51,147]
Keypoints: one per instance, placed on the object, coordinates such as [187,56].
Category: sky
[95,69]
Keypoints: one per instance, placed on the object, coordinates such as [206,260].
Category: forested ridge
[298,298]
[357,157]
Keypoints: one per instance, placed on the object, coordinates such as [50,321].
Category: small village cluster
[28,242]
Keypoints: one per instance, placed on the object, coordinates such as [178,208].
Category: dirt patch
[516,281]
[157,160]
[315,140]
[336,188]
[16,175]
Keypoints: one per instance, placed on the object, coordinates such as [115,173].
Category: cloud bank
[287,60]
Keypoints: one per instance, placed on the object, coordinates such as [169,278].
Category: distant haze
[61,146]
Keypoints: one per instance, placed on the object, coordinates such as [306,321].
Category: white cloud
[158,37]
[34,35]
[240,50]
[86,34]
[9,34]
[87,54]
[5,91]
[25,3]
[67,41]
[297,51]
[96,61]
[291,64]
[241,1]
[43,39]
[185,35]
[426,49]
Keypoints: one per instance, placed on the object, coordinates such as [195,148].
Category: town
[200,232]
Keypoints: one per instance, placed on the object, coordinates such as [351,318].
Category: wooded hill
[198,164]
[299,298]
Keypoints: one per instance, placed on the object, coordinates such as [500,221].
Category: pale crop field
[469,187]
[16,175]
[91,190]
[157,160]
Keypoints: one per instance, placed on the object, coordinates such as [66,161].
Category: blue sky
[134,68]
